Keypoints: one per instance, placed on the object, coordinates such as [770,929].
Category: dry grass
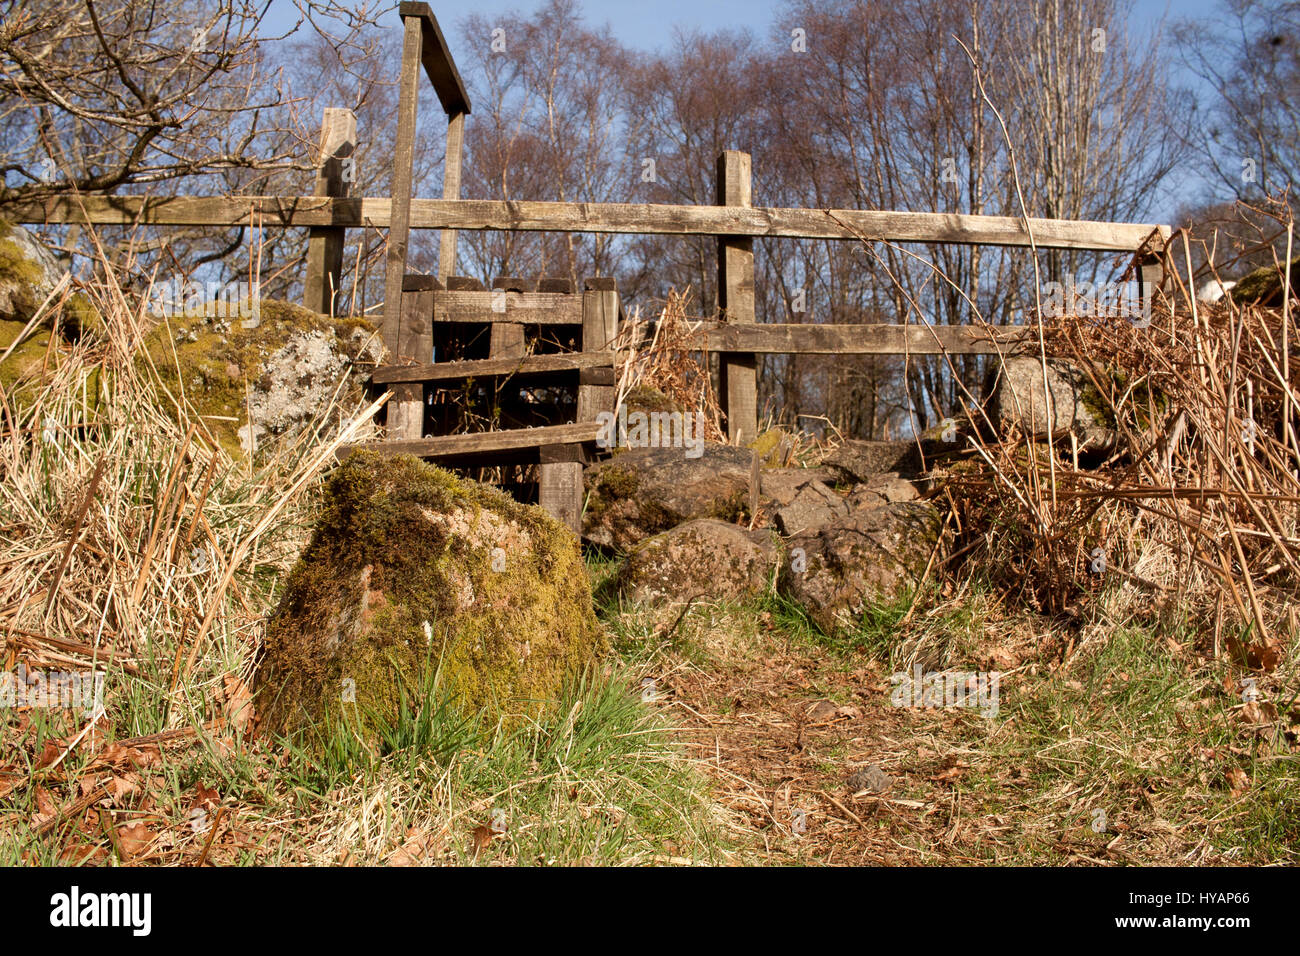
[132,545]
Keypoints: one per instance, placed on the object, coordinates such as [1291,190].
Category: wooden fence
[415,305]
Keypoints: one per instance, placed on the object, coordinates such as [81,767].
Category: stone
[871,556]
[880,490]
[266,374]
[1020,403]
[28,273]
[813,506]
[700,559]
[858,461]
[644,491]
[779,486]
[1263,286]
[870,779]
[411,572]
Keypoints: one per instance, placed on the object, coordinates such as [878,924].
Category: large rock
[411,569]
[883,489]
[835,571]
[644,491]
[778,487]
[1263,286]
[1019,402]
[270,374]
[703,558]
[28,273]
[813,505]
[857,461]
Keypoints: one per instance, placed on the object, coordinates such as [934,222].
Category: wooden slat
[636,219]
[437,60]
[484,368]
[507,340]
[559,491]
[864,339]
[406,407]
[415,282]
[455,446]
[537,308]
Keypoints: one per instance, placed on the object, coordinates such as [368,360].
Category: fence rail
[619,218]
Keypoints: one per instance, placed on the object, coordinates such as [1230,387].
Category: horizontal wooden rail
[526,308]
[878,339]
[484,443]
[635,219]
[484,368]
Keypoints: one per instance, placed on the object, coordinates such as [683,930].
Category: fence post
[338,144]
[451,190]
[737,381]
[406,407]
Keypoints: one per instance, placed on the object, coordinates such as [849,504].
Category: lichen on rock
[411,572]
[276,362]
[870,556]
[700,559]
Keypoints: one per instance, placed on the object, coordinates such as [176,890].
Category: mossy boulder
[20,372]
[28,273]
[644,491]
[253,370]
[412,572]
[835,571]
[700,559]
[1264,285]
[856,461]
[773,447]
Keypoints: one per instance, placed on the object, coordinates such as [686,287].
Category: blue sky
[649,25]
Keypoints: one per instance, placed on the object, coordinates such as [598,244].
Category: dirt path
[782,735]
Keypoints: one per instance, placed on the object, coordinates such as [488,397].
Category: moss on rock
[278,359]
[411,571]
[1264,285]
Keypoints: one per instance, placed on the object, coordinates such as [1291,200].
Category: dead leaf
[239,703]
[482,838]
[135,840]
[46,808]
[1238,782]
[1258,712]
[50,752]
[413,851]
[82,854]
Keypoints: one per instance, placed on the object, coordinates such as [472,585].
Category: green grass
[597,778]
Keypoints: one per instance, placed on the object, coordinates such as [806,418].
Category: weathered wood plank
[559,491]
[451,190]
[406,407]
[437,60]
[454,446]
[527,308]
[507,340]
[338,142]
[485,368]
[635,219]
[403,171]
[876,339]
[600,307]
